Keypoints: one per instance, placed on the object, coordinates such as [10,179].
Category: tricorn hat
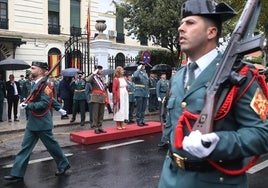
[40,64]
[207,8]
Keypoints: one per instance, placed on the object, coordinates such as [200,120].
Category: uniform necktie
[191,76]
[33,83]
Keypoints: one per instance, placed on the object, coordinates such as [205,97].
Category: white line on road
[38,160]
[122,144]
[258,167]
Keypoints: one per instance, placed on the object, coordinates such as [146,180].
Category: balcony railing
[53,29]
[75,31]
[3,23]
[120,38]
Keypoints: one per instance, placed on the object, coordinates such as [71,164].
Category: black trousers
[12,102]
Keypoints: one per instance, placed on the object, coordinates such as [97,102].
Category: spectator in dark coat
[65,93]
[13,96]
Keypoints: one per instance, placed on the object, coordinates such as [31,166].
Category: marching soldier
[39,126]
[240,129]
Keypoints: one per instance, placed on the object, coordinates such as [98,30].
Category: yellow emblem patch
[259,104]
[48,91]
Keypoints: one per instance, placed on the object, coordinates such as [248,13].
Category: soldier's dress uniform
[38,127]
[153,104]
[162,88]
[98,100]
[131,98]
[26,89]
[242,134]
[81,95]
[141,94]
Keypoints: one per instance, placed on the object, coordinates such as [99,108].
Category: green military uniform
[242,133]
[38,128]
[162,88]
[26,89]
[153,104]
[131,99]
[81,95]
[141,80]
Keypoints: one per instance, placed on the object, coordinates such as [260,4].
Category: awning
[15,41]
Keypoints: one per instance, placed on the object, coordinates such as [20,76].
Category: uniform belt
[79,90]
[190,165]
[139,85]
[130,93]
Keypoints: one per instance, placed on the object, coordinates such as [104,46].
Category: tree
[156,20]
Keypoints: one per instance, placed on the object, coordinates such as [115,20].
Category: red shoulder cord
[222,112]
[36,95]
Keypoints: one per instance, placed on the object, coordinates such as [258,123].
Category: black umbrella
[13,64]
[131,66]
[69,72]
[107,72]
[161,68]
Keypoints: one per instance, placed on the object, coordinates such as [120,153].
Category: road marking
[258,167]
[10,138]
[121,144]
[38,160]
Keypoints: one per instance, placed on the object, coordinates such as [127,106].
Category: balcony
[75,31]
[120,38]
[3,23]
[53,29]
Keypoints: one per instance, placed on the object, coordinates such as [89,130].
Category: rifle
[241,43]
[41,84]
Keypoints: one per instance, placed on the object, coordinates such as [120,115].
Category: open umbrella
[13,64]
[161,68]
[107,72]
[69,72]
[131,66]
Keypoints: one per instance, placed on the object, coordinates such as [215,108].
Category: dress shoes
[102,131]
[65,117]
[97,131]
[62,171]
[163,145]
[144,124]
[1,120]
[82,124]
[72,120]
[130,121]
[140,124]
[16,120]
[13,178]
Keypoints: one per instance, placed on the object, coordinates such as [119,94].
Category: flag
[88,22]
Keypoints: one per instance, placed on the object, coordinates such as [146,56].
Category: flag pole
[88,37]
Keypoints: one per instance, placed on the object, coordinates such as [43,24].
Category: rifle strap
[48,90]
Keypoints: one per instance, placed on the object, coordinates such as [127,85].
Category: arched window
[54,55]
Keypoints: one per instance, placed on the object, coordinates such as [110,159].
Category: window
[3,15]
[75,18]
[53,17]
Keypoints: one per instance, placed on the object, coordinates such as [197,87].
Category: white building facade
[39,30]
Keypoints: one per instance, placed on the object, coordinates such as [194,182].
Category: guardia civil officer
[39,126]
[153,103]
[162,89]
[243,130]
[80,98]
[141,80]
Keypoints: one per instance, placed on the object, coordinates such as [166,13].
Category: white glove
[96,71]
[63,112]
[139,67]
[159,99]
[23,105]
[193,143]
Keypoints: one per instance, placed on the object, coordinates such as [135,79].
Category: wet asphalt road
[137,162]
[132,163]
